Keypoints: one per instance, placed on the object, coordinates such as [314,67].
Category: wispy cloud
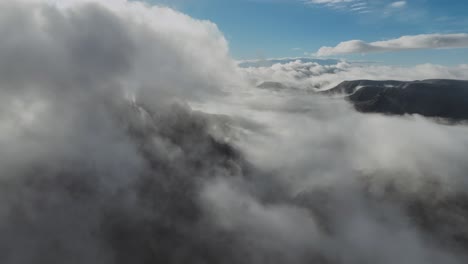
[398,4]
[355,6]
[415,42]
[358,6]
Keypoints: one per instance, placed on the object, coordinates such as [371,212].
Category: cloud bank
[100,155]
[310,75]
[426,41]
[128,135]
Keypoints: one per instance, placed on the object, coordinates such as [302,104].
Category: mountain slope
[432,98]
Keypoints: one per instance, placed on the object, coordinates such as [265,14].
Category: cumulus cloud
[95,136]
[426,41]
[129,135]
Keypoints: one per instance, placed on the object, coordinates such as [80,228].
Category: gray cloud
[427,41]
[337,162]
[96,165]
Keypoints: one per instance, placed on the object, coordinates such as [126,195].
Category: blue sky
[258,29]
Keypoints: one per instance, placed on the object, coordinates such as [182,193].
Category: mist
[128,134]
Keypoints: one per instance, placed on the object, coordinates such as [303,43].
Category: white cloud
[425,41]
[72,74]
[398,4]
[323,75]
[331,148]
[356,6]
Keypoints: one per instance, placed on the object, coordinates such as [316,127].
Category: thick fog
[129,135]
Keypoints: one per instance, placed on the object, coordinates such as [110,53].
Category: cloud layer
[316,74]
[427,41]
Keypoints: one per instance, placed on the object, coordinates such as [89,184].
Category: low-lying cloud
[425,41]
[305,75]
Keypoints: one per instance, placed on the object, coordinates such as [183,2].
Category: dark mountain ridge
[432,98]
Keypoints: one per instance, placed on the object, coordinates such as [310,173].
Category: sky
[258,29]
